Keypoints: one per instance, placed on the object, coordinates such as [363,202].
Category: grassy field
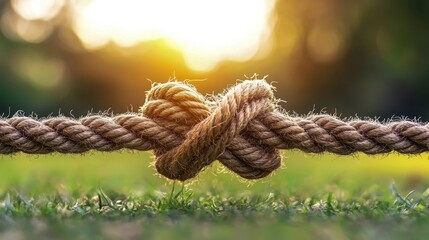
[116,195]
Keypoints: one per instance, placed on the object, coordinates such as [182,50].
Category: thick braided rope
[243,129]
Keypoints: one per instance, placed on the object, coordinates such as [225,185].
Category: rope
[243,129]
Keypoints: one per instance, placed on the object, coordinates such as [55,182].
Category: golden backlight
[206,31]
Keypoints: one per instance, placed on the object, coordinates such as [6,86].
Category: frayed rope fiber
[243,129]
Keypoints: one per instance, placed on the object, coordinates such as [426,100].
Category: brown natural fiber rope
[243,129]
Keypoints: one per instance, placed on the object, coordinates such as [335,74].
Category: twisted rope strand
[243,130]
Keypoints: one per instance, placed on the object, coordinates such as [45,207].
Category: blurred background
[361,57]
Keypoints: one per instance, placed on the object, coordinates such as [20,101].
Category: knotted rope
[243,129]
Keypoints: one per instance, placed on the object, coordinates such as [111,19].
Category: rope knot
[212,130]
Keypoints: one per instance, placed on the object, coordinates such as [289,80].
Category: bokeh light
[19,28]
[325,42]
[207,32]
[37,9]
[39,71]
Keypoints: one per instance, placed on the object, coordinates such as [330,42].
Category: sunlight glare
[207,32]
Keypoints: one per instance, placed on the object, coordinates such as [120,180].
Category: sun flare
[207,32]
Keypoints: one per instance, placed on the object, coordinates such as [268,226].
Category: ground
[116,195]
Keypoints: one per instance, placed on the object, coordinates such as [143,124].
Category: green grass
[116,195]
